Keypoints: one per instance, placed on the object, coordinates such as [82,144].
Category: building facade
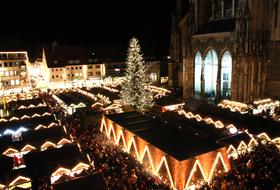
[13,69]
[69,64]
[226,49]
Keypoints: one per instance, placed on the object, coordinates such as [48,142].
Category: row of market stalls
[36,151]
[257,108]
[187,147]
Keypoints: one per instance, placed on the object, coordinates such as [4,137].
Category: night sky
[104,23]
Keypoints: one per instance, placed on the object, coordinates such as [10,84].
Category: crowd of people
[258,169]
[120,169]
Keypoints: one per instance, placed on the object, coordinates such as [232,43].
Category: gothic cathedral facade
[226,49]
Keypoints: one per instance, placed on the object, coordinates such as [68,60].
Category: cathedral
[226,49]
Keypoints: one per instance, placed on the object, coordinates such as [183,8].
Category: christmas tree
[134,87]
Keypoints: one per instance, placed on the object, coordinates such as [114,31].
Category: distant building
[226,49]
[13,69]
[71,63]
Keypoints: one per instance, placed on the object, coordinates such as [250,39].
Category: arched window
[197,73]
[210,72]
[226,69]
[227,8]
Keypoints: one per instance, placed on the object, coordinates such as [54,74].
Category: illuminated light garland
[198,117]
[40,127]
[276,139]
[31,106]
[80,166]
[232,129]
[3,120]
[164,161]
[265,136]
[96,103]
[24,117]
[196,164]
[46,114]
[64,141]
[121,135]
[52,124]
[13,119]
[61,171]
[112,130]
[132,141]
[242,145]
[237,109]
[220,105]
[219,124]
[113,106]
[103,125]
[262,101]
[218,157]
[35,115]
[233,103]
[22,107]
[19,178]
[209,120]
[9,151]
[231,147]
[253,140]
[41,105]
[27,148]
[146,150]
[47,145]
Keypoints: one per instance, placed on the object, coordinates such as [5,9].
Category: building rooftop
[178,143]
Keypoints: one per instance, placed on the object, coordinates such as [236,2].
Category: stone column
[233,8]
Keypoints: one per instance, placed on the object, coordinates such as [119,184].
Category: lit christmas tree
[134,87]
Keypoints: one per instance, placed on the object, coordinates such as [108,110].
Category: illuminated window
[12,82]
[226,70]
[6,73]
[197,78]
[76,74]
[17,82]
[210,71]
[90,73]
[153,77]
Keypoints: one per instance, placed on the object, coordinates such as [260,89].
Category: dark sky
[94,22]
